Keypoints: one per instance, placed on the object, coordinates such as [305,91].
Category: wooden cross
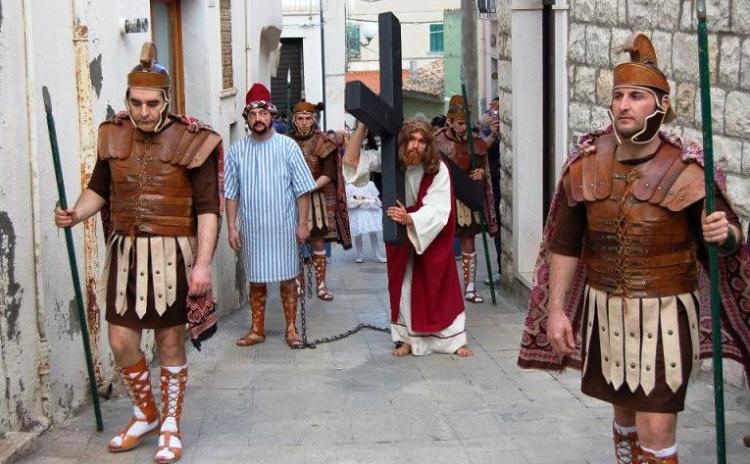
[383,115]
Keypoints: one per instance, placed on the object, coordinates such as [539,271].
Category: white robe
[428,222]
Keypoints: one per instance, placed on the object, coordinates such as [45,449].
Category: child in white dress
[365,218]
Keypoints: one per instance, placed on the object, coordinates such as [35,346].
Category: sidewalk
[352,402]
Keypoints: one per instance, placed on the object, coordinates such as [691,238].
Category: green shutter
[352,40]
[436,38]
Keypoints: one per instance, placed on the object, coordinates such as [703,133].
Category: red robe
[436,298]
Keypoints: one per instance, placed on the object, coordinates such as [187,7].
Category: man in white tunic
[427,309]
[268,184]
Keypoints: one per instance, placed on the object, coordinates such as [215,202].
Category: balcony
[300,6]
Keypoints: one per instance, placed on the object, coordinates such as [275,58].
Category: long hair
[430,158]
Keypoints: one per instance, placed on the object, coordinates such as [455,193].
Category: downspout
[548,105]
[87,153]
[323,62]
[43,369]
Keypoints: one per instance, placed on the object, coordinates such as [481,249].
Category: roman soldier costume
[455,147]
[157,182]
[329,216]
[638,301]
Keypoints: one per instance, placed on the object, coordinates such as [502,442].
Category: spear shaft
[713,259]
[72,259]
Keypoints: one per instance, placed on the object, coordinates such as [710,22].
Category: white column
[526,30]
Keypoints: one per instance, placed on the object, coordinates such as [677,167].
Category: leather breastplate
[315,149]
[458,151]
[151,187]
[640,240]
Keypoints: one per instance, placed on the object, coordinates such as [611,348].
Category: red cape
[436,298]
[734,287]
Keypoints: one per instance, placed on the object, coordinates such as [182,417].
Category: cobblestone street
[352,402]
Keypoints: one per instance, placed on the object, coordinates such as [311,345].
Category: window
[352,41]
[225,15]
[436,38]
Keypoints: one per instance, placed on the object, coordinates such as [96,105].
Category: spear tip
[700,9]
[47,100]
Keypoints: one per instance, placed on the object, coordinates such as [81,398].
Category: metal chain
[334,338]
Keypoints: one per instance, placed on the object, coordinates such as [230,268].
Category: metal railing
[299,6]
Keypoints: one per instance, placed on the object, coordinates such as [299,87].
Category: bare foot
[401,351]
[464,352]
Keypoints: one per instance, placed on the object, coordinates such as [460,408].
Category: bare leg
[656,431]
[171,345]
[125,344]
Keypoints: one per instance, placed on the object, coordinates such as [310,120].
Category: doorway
[166,33]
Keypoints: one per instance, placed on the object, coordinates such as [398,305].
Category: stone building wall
[506,145]
[599,28]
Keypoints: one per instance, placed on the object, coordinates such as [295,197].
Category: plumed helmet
[149,74]
[456,108]
[642,71]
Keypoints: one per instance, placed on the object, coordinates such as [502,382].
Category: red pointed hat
[258,92]
[259,97]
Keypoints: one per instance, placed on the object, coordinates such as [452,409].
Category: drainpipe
[43,369]
[323,63]
[548,105]
[87,153]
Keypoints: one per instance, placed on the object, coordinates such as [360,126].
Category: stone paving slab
[352,402]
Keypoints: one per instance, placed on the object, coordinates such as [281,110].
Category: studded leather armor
[639,240]
[151,190]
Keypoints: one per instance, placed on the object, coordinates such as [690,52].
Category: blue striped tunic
[265,178]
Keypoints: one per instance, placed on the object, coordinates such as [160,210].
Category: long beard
[413,158]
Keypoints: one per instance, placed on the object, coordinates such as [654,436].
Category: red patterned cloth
[734,286]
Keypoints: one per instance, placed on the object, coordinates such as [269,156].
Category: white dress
[428,222]
[365,209]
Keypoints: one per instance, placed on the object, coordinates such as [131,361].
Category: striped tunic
[265,178]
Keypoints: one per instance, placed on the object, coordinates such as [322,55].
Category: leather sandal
[176,452]
[324,294]
[293,340]
[128,442]
[250,339]
[473,297]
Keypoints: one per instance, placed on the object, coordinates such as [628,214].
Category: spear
[63,202]
[713,258]
[289,99]
[482,219]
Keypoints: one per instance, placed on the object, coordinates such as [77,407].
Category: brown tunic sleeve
[205,183]
[101,179]
[567,238]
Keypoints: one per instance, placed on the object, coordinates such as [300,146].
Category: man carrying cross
[427,310]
